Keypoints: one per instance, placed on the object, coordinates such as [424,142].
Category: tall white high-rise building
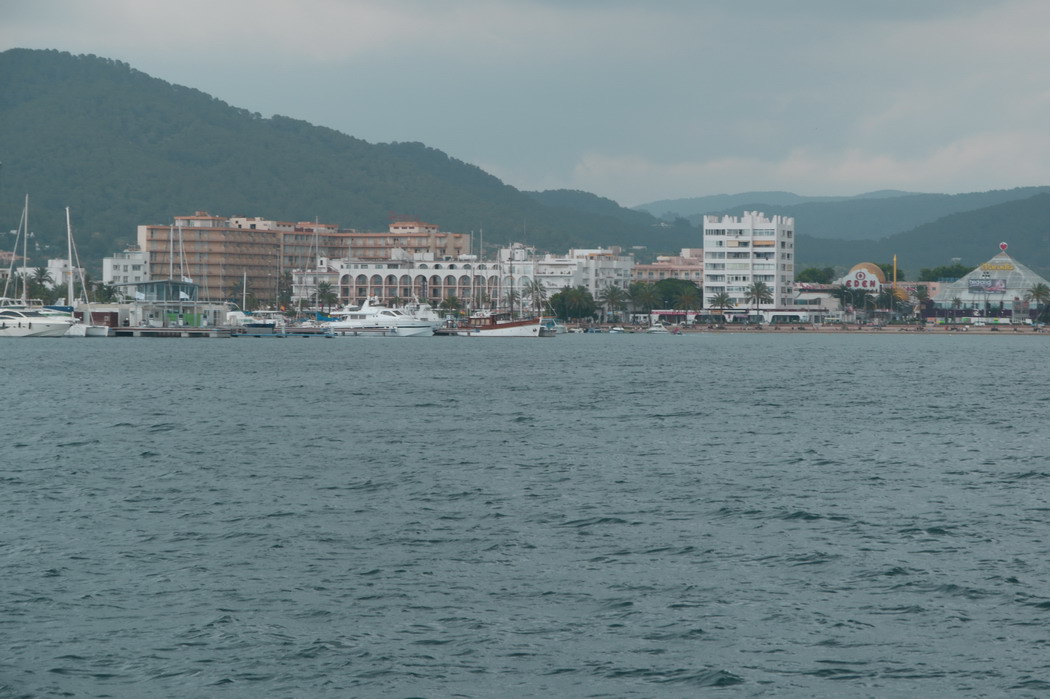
[739,251]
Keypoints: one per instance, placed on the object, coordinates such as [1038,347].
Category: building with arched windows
[511,280]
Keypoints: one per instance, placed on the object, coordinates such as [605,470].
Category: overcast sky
[635,101]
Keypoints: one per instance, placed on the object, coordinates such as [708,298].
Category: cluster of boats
[375,319]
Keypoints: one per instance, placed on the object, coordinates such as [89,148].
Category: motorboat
[501,324]
[616,330]
[657,330]
[420,310]
[25,322]
[558,328]
[375,319]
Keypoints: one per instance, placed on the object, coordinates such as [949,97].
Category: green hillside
[972,236]
[122,149]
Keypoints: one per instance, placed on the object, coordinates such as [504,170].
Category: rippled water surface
[588,516]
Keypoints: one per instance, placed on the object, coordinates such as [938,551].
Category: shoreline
[839,329]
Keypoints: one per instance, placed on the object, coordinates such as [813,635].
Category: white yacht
[25,322]
[375,319]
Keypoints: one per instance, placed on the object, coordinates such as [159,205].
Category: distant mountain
[123,148]
[972,236]
[747,201]
[878,217]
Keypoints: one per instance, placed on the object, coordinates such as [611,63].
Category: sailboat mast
[25,257]
[69,257]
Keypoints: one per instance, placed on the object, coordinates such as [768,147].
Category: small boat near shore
[500,324]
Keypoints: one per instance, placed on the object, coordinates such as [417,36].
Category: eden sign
[862,280]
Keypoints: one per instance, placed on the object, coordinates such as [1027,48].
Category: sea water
[584,516]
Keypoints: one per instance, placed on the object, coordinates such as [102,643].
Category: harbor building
[742,250]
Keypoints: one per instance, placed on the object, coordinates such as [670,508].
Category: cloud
[975,163]
[636,101]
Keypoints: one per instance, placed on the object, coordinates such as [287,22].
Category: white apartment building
[739,251]
[126,267]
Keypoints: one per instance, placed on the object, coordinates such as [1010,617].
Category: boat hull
[33,329]
[380,331]
[527,328]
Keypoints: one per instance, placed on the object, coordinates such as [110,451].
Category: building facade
[739,251]
[688,266]
[503,282]
[228,257]
[128,267]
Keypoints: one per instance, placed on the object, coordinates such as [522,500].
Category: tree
[922,301]
[643,296]
[105,293]
[887,270]
[668,290]
[42,276]
[326,297]
[1040,294]
[284,290]
[758,293]
[689,299]
[511,297]
[573,303]
[451,305]
[536,292]
[613,299]
[956,305]
[946,273]
[722,301]
[816,275]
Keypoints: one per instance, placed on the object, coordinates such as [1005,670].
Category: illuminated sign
[988,286]
[1003,267]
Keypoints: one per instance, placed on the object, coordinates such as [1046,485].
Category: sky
[636,101]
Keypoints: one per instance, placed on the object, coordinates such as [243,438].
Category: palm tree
[1040,294]
[535,291]
[722,301]
[105,293]
[613,299]
[758,293]
[325,295]
[284,290]
[42,276]
[573,303]
[689,299]
[956,305]
[644,296]
[511,296]
[451,305]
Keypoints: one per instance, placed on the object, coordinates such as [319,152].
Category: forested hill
[972,236]
[122,148]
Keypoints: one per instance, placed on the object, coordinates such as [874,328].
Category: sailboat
[82,327]
[19,319]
